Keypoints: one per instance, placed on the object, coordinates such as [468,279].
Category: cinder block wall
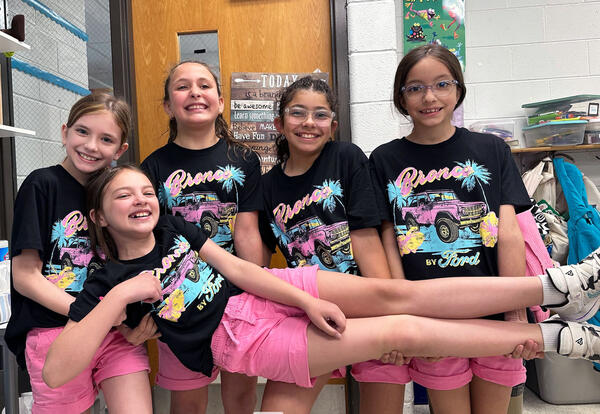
[517,51]
[39,105]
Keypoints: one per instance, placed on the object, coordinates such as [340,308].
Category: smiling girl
[210,180]
[448,199]
[318,201]
[52,257]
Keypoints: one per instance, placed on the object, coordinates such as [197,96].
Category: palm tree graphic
[281,235]
[396,198]
[337,193]
[59,237]
[164,196]
[477,174]
[236,176]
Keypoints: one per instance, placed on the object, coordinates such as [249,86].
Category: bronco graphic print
[194,294]
[444,201]
[72,258]
[311,215]
[206,187]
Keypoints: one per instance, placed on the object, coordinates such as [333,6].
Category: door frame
[124,70]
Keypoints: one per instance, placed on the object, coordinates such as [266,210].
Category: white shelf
[10,44]
[10,131]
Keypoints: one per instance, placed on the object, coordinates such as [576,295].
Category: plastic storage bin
[592,132]
[502,129]
[555,133]
[560,380]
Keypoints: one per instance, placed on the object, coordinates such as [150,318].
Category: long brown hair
[222,129]
[94,195]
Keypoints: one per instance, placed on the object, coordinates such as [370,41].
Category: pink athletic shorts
[260,337]
[452,373]
[115,357]
[174,376]
[376,371]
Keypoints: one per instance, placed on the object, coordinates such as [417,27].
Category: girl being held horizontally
[299,332]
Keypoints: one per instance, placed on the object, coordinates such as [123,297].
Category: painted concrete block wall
[38,104]
[517,51]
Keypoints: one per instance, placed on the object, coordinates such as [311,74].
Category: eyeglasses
[440,88]
[319,116]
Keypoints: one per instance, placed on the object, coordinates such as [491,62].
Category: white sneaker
[578,340]
[581,284]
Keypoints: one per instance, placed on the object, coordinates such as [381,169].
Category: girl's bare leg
[128,393]
[291,398]
[381,398]
[457,297]
[369,338]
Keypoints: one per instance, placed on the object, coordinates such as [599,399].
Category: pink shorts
[452,373]
[174,376]
[260,337]
[115,357]
[376,371]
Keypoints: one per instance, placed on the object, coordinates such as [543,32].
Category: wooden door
[253,36]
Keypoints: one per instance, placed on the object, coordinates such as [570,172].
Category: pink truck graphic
[187,268]
[445,211]
[311,236]
[206,209]
[79,253]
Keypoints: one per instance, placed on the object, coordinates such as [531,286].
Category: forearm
[74,348]
[29,282]
[369,254]
[247,241]
[390,247]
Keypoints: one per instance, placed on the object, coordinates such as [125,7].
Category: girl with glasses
[448,199]
[318,204]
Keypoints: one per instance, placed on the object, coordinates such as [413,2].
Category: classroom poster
[254,106]
[435,21]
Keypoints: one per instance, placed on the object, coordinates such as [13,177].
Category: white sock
[551,295]
[550,335]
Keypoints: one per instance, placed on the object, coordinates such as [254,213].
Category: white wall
[517,51]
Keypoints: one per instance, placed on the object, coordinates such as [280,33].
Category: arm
[390,246]
[76,345]
[246,238]
[255,280]
[369,254]
[29,281]
[511,253]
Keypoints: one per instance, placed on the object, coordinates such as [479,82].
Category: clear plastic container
[503,129]
[555,133]
[592,132]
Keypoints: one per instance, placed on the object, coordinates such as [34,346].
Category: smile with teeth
[195,106]
[87,157]
[431,110]
[140,214]
[307,135]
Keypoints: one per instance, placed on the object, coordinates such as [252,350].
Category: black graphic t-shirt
[444,201]
[49,217]
[207,187]
[311,215]
[194,294]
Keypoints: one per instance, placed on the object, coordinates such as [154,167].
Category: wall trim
[52,15]
[48,77]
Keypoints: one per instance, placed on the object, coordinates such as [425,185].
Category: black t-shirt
[444,201]
[194,294]
[49,217]
[207,187]
[311,215]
